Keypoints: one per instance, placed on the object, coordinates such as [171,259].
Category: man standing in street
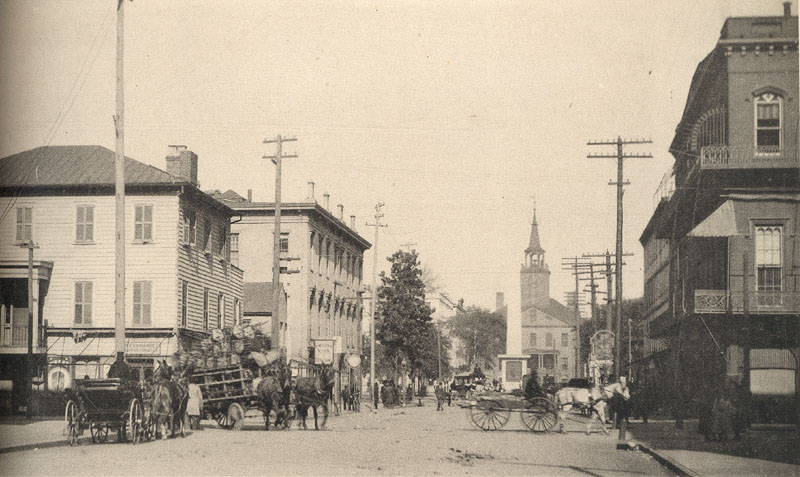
[619,403]
[194,407]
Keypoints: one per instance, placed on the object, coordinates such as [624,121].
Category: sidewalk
[687,452]
[19,434]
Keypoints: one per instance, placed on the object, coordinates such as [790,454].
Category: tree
[482,334]
[404,323]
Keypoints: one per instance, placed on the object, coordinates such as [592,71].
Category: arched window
[768,118]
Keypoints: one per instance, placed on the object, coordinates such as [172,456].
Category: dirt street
[401,441]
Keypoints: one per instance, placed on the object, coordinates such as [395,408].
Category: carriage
[228,393]
[104,405]
[491,412]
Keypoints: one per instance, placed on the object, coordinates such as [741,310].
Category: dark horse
[314,392]
[169,400]
[273,392]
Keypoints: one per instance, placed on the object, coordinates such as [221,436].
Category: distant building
[321,272]
[444,308]
[258,307]
[180,282]
[721,271]
[547,337]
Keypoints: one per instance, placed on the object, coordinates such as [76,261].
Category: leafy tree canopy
[404,326]
[481,333]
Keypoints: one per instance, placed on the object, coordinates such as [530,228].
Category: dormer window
[768,123]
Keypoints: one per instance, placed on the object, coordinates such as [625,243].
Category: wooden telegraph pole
[275,339]
[119,189]
[373,308]
[620,157]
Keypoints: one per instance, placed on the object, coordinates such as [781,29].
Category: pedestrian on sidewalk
[375,394]
[439,392]
[619,403]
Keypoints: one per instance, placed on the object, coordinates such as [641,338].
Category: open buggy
[104,405]
[492,411]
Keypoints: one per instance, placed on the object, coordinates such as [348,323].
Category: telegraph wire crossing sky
[452,114]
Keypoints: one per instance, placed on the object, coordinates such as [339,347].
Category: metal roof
[74,166]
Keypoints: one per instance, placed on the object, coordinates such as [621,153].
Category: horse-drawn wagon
[228,393]
[492,411]
[103,405]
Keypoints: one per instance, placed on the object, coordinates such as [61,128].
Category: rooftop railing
[760,157]
[759,302]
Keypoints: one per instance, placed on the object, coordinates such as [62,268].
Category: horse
[169,401]
[273,391]
[592,400]
[314,392]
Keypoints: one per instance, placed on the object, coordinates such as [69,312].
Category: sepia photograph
[450,237]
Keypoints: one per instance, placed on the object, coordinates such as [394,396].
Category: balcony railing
[729,157]
[759,302]
[665,189]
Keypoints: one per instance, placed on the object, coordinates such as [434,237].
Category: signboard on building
[323,351]
[603,345]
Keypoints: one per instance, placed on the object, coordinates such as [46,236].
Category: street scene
[362,238]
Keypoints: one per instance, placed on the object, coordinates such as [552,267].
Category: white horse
[592,400]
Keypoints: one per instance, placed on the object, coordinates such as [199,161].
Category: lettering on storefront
[323,351]
[143,348]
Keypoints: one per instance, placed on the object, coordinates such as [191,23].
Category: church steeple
[534,273]
[534,254]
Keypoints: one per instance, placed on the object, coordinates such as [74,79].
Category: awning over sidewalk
[721,223]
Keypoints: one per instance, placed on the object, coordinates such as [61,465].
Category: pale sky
[452,113]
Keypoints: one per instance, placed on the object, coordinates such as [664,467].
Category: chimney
[340,208]
[310,197]
[249,195]
[182,163]
[353,222]
[787,9]
[326,201]
[499,300]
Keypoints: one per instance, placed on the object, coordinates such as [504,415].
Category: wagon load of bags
[228,346]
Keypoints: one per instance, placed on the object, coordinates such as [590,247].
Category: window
[549,340]
[184,301]
[206,245]
[84,224]
[205,309]
[564,364]
[549,361]
[311,246]
[222,239]
[143,223]
[24,224]
[533,361]
[189,227]
[564,340]
[83,303]
[235,249]
[319,255]
[768,258]
[768,123]
[237,309]
[284,242]
[142,300]
[533,340]
[220,309]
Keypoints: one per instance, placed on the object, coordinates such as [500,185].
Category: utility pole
[620,156]
[29,367]
[119,190]
[276,246]
[377,225]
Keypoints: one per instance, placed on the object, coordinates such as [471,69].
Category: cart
[491,412]
[103,405]
[228,393]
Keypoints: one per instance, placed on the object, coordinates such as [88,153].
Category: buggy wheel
[222,420]
[99,432]
[489,415]
[71,424]
[235,416]
[134,423]
[540,416]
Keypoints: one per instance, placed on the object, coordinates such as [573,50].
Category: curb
[664,460]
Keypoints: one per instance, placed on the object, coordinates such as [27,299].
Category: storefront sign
[143,348]
[323,351]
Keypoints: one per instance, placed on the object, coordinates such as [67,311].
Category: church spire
[534,247]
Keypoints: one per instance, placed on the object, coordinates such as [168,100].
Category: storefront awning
[721,223]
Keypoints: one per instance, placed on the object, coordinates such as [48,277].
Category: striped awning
[772,359]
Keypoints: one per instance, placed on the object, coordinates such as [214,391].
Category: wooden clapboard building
[180,282]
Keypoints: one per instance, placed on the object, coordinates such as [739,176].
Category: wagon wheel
[99,432]
[71,422]
[489,415]
[222,419]
[236,416]
[540,416]
[135,422]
